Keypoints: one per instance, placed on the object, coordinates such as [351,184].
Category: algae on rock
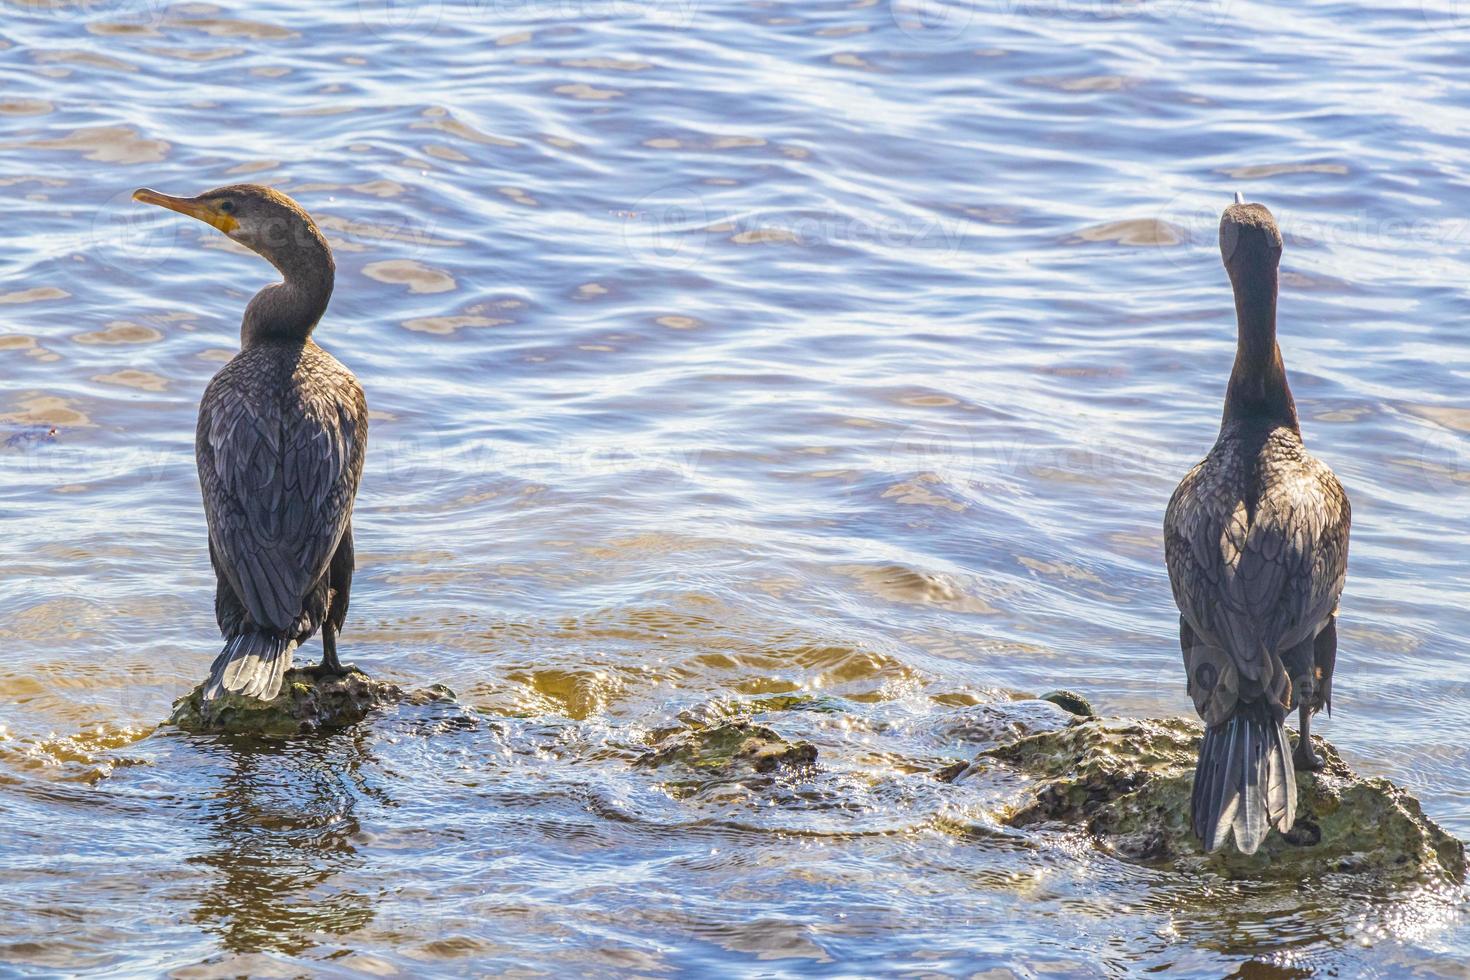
[1070,702]
[308,701]
[1127,782]
[732,746]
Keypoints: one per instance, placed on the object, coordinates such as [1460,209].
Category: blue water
[715,350]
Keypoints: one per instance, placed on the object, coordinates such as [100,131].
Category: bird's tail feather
[1244,782]
[251,665]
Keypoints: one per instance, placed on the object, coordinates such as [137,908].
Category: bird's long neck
[288,311]
[1258,390]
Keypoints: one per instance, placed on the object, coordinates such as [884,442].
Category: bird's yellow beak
[192,206]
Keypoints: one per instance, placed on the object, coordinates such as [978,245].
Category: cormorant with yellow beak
[280,444]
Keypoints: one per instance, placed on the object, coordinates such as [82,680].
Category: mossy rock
[1071,702]
[308,702]
[734,746]
[1128,783]
[1000,722]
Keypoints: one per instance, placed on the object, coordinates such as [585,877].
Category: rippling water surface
[717,351]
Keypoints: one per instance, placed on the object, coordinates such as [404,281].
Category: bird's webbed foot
[330,665]
[326,669]
[1304,757]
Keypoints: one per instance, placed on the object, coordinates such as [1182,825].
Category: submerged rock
[983,726]
[1127,782]
[1070,701]
[307,702]
[729,747]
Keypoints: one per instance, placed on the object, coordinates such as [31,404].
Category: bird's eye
[227,206]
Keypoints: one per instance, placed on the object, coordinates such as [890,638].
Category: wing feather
[280,447]
[1254,577]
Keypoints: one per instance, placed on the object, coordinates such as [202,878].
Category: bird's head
[262,219]
[277,228]
[1250,242]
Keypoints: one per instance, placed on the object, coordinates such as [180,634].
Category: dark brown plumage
[1256,541]
[280,444]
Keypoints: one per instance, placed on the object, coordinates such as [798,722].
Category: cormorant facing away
[280,444]
[1256,540]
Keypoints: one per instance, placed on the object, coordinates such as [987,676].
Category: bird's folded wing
[1297,543]
[278,477]
[1254,584]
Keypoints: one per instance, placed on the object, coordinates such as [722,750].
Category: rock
[1127,783]
[307,702]
[1070,701]
[732,746]
[997,722]
[719,711]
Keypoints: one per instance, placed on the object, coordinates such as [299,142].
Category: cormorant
[280,443]
[1256,540]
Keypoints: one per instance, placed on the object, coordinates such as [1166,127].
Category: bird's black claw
[1304,759]
[325,669]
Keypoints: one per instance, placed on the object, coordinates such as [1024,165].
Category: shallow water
[716,351]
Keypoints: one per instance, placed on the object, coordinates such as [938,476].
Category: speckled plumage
[280,445]
[1256,540]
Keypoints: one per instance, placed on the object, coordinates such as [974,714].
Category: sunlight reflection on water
[716,352]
